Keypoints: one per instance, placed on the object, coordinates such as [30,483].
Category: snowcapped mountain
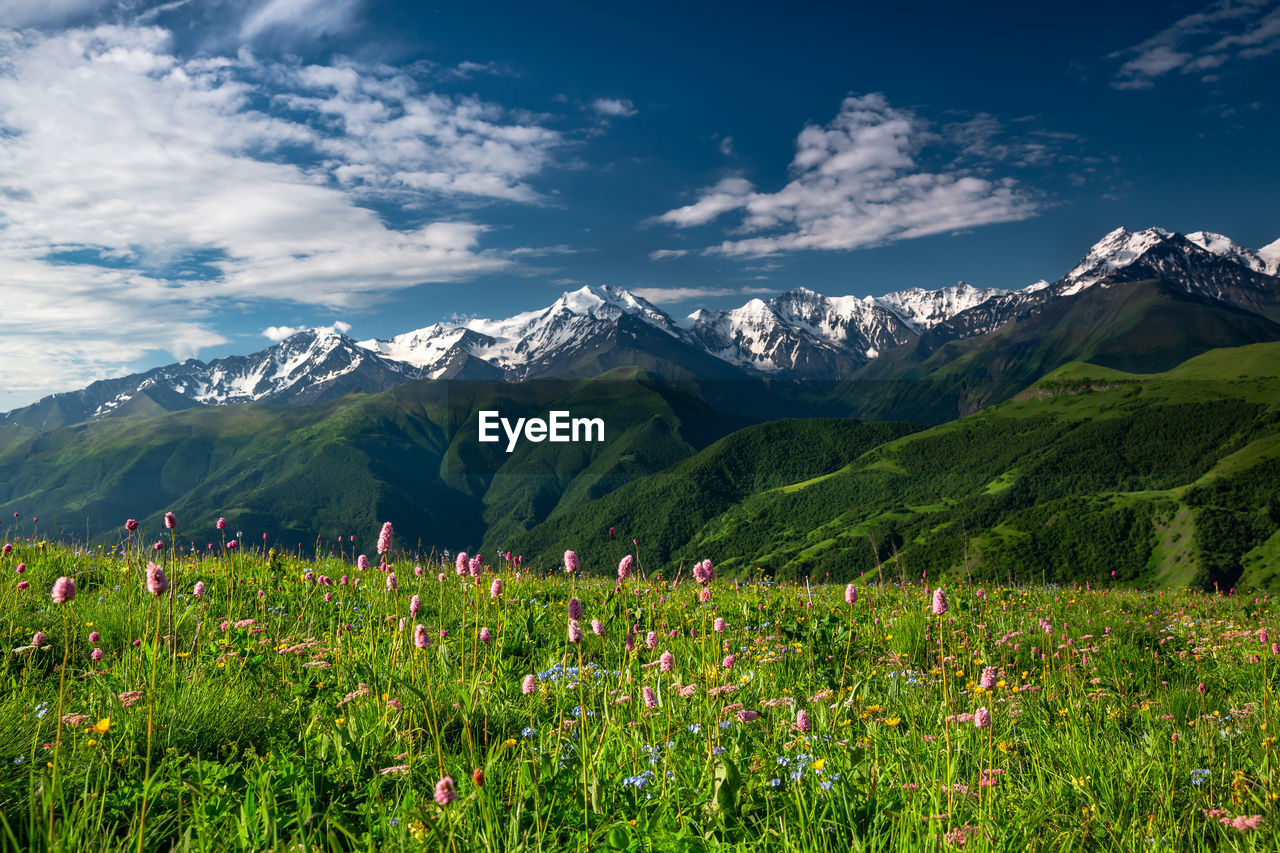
[306,367]
[799,334]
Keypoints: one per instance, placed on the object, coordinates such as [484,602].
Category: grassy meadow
[443,703]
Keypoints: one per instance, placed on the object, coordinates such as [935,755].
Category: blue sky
[192,178]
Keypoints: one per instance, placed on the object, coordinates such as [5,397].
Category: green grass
[283,720]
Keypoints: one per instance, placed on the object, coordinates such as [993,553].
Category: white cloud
[122,165]
[669,295]
[667,254]
[1217,34]
[279,333]
[303,17]
[26,13]
[856,182]
[614,107]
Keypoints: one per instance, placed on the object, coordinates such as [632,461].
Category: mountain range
[798,335]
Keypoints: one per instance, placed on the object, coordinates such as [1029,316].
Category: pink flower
[64,590]
[982,718]
[159,545]
[530,685]
[485,636]
[624,567]
[575,608]
[37,639]
[703,572]
[630,644]
[939,602]
[802,722]
[415,604]
[460,563]
[597,628]
[850,594]
[7,549]
[718,625]
[391,582]
[476,566]
[232,545]
[575,631]
[729,661]
[667,662]
[94,636]
[651,640]
[650,699]
[384,538]
[23,584]
[21,569]
[1242,823]
[495,588]
[746,716]
[157,583]
[131,525]
[440,576]
[444,791]
[570,562]
[362,563]
[421,639]
[170,521]
[222,524]
[97,654]
[988,680]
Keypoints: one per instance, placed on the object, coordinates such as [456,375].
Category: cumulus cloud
[614,107]
[857,181]
[143,191]
[1223,32]
[667,254]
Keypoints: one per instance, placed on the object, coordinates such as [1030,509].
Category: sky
[197,178]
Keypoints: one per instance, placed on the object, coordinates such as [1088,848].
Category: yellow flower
[222,664]
[340,721]
[509,742]
[1005,746]
[892,721]
[102,725]
[819,764]
[88,624]
[1000,683]
[92,742]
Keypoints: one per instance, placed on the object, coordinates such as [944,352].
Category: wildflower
[570,562]
[23,584]
[988,680]
[444,791]
[728,661]
[362,563]
[704,594]
[939,602]
[651,640]
[477,776]
[420,637]
[575,609]
[597,628]
[850,594]
[704,573]
[198,591]
[530,685]
[222,523]
[397,770]
[102,726]
[94,636]
[21,569]
[391,582]
[575,631]
[746,716]
[650,699]
[64,590]
[476,566]
[718,625]
[1242,823]
[982,718]
[415,604]
[384,538]
[667,662]
[170,521]
[97,654]
[630,644]
[157,583]
[624,567]
[485,636]
[495,588]
[232,545]
[1201,687]
[461,563]
[802,722]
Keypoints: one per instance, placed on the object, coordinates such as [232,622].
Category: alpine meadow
[698,427]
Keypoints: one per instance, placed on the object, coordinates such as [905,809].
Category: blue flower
[695,727]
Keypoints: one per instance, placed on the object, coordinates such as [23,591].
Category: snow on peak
[923,309]
[1116,250]
[1225,247]
[1270,257]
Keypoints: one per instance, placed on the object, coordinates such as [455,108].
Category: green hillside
[1165,478]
